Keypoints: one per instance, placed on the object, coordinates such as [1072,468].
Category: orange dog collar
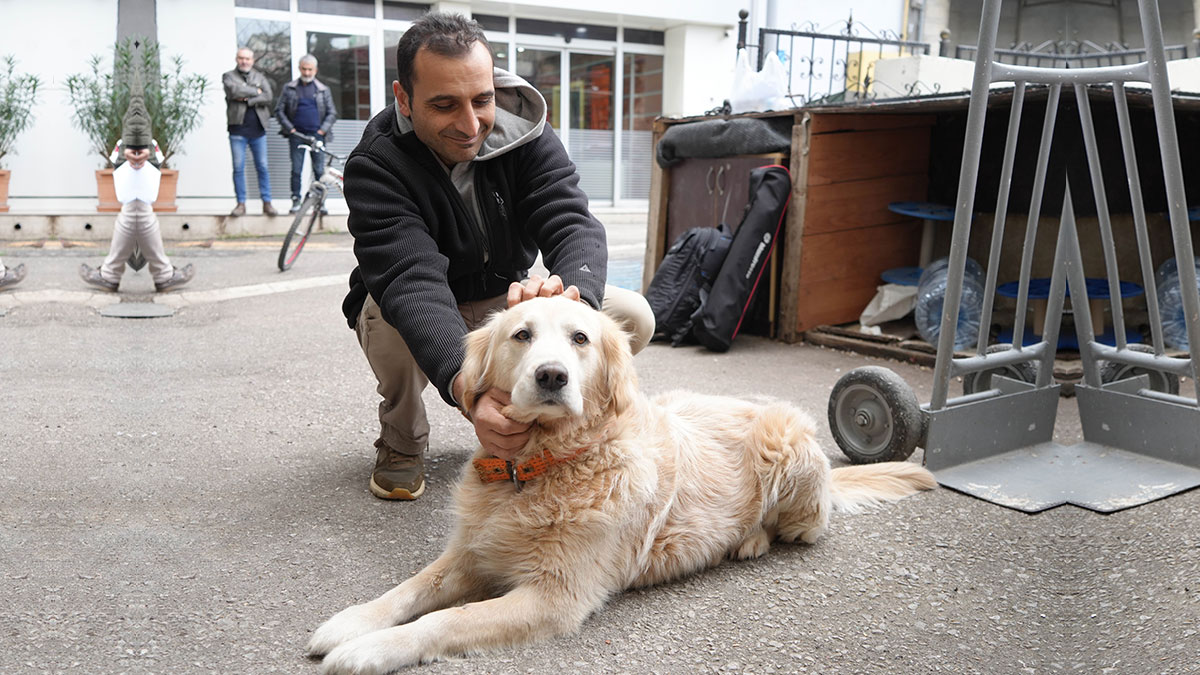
[493,469]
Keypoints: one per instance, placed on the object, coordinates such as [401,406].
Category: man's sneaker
[396,475]
[324,212]
[269,210]
[92,276]
[179,277]
[295,205]
[12,276]
[239,210]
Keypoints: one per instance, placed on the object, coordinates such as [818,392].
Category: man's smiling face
[453,102]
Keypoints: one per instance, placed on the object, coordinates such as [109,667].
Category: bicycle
[312,206]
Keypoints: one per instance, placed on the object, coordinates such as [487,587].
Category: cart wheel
[982,380]
[874,416]
[1111,371]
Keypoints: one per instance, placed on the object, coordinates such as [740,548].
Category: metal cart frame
[1141,439]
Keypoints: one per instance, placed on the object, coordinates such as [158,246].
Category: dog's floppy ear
[620,380]
[476,367]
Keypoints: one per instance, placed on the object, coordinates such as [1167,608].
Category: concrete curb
[201,226]
[175,226]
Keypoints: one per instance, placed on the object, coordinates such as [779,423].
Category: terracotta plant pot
[108,194]
[106,191]
[4,176]
[166,191]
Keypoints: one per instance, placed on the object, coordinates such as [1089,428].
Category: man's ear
[402,98]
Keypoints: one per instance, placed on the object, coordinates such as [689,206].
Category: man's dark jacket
[246,85]
[289,99]
[421,251]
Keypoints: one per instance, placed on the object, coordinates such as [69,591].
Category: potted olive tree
[18,93]
[173,99]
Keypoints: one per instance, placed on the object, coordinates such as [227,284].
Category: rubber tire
[877,398]
[982,380]
[1160,381]
[305,218]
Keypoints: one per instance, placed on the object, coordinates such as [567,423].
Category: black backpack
[728,298]
[687,273]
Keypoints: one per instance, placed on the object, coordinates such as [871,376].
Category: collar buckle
[511,469]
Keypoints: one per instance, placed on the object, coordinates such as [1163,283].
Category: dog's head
[562,360]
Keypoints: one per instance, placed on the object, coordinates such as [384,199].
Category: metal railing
[1070,54]
[829,68]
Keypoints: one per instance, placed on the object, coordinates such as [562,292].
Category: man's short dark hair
[443,34]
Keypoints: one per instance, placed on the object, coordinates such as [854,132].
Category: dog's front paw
[373,654]
[350,623]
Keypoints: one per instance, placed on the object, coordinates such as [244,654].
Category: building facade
[606,72]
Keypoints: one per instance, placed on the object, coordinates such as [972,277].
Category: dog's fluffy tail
[866,485]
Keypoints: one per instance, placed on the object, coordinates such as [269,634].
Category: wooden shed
[848,162]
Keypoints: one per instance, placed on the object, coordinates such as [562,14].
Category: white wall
[203,34]
[698,68]
[823,16]
[53,158]
[649,13]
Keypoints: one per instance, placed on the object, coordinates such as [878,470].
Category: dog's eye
[579,338]
[522,335]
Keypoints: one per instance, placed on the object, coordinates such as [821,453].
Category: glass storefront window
[644,37]
[543,69]
[284,5]
[489,22]
[641,95]
[343,64]
[271,42]
[590,133]
[641,103]
[591,91]
[390,39]
[566,30]
[364,8]
[404,11]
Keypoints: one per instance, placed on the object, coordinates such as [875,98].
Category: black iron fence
[828,68]
[839,68]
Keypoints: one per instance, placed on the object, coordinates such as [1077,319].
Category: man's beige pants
[403,425]
[136,228]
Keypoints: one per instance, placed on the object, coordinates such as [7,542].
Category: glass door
[590,135]
[543,69]
[344,65]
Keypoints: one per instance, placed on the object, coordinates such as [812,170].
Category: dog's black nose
[551,376]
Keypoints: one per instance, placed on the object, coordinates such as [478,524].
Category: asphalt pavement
[189,495]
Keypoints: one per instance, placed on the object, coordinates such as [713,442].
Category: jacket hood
[520,116]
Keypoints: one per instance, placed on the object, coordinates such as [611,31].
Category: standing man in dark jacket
[452,194]
[247,109]
[305,108]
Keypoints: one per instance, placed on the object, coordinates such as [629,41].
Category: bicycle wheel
[297,234]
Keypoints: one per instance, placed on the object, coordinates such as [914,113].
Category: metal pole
[742,16]
[1164,115]
[965,204]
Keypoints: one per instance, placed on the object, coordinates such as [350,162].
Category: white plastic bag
[757,90]
[891,302]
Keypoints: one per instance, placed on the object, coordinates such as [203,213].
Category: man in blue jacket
[305,108]
[453,192]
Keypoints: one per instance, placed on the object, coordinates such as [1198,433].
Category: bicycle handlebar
[318,145]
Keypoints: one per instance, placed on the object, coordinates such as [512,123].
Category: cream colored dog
[620,491]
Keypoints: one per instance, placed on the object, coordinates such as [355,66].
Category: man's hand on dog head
[537,287]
